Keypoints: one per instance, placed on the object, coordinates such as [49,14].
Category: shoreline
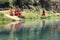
[29,15]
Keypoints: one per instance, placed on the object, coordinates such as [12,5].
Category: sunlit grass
[3,18]
[35,13]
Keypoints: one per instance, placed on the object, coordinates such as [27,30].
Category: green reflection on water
[42,29]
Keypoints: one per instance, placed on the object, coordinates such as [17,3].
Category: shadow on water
[43,29]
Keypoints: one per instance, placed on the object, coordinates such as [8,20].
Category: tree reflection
[32,31]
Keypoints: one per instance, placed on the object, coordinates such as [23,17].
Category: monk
[43,12]
[11,12]
[17,12]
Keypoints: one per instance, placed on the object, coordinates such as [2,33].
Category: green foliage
[3,18]
[3,1]
[21,16]
[45,4]
[1,14]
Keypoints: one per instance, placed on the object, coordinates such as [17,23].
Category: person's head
[43,9]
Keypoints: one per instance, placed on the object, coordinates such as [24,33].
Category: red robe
[43,13]
[11,12]
[17,12]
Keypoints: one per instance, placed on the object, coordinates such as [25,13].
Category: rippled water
[42,29]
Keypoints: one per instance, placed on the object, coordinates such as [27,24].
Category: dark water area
[42,29]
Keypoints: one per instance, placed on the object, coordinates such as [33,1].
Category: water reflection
[43,29]
[16,27]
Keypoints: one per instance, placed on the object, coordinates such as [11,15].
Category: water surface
[42,29]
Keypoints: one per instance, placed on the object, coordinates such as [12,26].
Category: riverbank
[27,14]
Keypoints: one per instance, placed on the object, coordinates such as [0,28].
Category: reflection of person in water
[44,33]
[16,26]
[12,27]
[43,23]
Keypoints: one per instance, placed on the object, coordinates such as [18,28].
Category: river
[37,29]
